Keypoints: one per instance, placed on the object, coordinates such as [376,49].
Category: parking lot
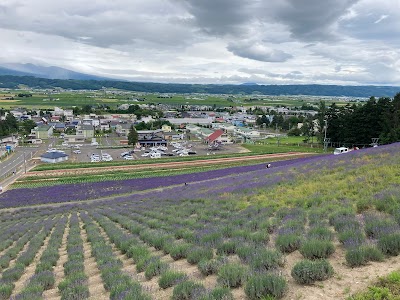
[87,151]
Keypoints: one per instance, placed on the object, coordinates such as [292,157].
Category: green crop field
[64,99]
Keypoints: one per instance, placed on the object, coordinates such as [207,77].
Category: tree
[132,136]
[321,120]
[27,126]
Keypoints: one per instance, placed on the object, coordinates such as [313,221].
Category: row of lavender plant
[120,285]
[21,239]
[130,245]
[44,278]
[75,283]
[258,258]
[12,233]
[11,275]
[75,192]
[290,233]
[359,250]
[229,274]
[152,266]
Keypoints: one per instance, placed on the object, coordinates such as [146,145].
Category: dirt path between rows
[81,171]
[58,270]
[95,282]
[30,270]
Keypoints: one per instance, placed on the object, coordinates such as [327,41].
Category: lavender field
[304,229]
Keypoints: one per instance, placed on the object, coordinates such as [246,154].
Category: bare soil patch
[30,270]
[58,270]
[95,283]
[346,280]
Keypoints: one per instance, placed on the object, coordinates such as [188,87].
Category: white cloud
[211,41]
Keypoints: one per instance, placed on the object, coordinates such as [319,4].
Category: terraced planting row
[209,250]
[93,190]
[210,240]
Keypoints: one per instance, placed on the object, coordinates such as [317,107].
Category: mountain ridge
[51,72]
[10,81]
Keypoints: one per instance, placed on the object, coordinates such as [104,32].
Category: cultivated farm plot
[207,240]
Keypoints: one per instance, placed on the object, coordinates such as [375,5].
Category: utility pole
[325,139]
[24,163]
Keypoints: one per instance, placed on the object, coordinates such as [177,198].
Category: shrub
[264,260]
[352,238]
[179,251]
[226,248]
[44,279]
[137,253]
[314,249]
[219,293]
[375,227]
[355,257]
[75,292]
[73,266]
[307,271]
[390,244]
[142,264]
[188,290]
[360,256]
[245,253]
[170,278]
[374,293]
[31,292]
[211,239]
[261,286]
[231,275]
[261,237]
[320,233]
[154,268]
[208,267]
[288,242]
[6,289]
[198,254]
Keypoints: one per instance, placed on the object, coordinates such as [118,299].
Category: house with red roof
[218,136]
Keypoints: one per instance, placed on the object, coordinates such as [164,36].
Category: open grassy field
[318,227]
[42,99]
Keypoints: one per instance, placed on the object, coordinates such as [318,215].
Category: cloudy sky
[209,41]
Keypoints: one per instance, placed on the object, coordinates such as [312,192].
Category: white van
[341,150]
[155,155]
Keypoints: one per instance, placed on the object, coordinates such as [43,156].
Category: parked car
[155,155]
[341,150]
[128,157]
[77,151]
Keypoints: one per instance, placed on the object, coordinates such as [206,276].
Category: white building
[53,157]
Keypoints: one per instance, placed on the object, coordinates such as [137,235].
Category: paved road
[14,166]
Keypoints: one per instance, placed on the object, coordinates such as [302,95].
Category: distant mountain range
[14,75]
[45,72]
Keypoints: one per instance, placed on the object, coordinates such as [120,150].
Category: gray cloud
[258,52]
[103,23]
[297,41]
[311,20]
[220,17]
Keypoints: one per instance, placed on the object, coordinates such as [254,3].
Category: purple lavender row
[224,181]
[93,190]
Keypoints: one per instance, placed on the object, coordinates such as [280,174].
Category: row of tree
[8,126]
[358,124]
[350,125]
